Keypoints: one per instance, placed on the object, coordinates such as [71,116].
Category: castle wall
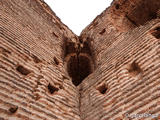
[125,42]
[34,84]
[43,64]
[126,80]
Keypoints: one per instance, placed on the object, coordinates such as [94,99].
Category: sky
[78,14]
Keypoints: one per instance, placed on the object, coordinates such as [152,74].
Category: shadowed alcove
[79,59]
[79,67]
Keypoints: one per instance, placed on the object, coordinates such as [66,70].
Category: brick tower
[110,72]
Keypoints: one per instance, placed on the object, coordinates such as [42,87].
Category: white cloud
[77,14]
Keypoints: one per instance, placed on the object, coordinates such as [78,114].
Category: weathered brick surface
[31,37]
[127,58]
[127,91]
[121,45]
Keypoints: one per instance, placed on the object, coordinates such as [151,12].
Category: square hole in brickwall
[156,32]
[103,88]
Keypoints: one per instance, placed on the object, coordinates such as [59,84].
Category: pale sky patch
[77,14]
